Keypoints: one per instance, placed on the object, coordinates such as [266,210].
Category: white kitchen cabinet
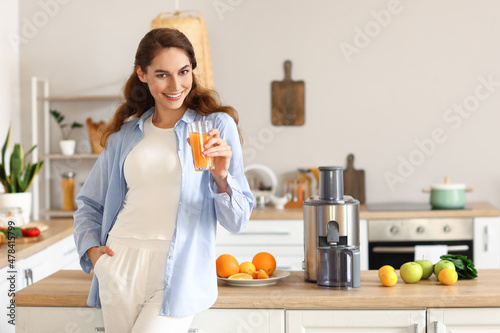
[239,321]
[487,242]
[387,321]
[60,255]
[466,320]
[58,319]
[5,299]
[85,319]
[284,239]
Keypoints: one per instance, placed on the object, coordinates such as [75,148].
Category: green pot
[448,196]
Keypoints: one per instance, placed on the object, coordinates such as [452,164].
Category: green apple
[441,265]
[427,268]
[411,272]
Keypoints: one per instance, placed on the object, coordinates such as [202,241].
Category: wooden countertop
[70,288]
[58,229]
[475,209]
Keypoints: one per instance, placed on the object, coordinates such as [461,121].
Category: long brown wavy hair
[138,99]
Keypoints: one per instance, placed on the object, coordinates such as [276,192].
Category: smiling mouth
[173,97]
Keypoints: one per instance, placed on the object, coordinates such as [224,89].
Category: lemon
[247,267]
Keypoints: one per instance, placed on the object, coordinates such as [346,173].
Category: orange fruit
[255,275]
[385,268]
[264,261]
[227,265]
[241,276]
[261,274]
[388,278]
[448,276]
[247,267]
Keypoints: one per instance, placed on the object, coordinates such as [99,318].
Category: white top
[153,175]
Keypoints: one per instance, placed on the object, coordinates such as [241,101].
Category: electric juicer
[331,233]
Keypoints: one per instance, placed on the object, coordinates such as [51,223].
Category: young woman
[146,220]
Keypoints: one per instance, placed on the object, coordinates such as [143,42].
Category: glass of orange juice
[198,135]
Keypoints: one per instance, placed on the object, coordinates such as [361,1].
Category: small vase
[67,147]
[17,201]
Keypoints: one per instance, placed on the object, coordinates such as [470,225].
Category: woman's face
[169,78]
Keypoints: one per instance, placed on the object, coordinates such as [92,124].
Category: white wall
[414,61]
[9,71]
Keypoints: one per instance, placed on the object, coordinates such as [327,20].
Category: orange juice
[68,189]
[201,162]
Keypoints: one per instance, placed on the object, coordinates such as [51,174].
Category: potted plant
[67,145]
[17,180]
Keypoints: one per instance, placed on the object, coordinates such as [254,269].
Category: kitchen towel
[430,252]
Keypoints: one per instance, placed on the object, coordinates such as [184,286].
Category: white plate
[277,275]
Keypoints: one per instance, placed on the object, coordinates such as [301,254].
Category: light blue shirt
[190,274]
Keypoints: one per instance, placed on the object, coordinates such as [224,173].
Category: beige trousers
[131,288]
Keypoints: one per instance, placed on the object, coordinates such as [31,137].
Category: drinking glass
[198,134]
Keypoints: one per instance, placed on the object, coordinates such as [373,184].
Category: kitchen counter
[57,230]
[474,209]
[70,288]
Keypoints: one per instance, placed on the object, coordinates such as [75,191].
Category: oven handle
[411,249]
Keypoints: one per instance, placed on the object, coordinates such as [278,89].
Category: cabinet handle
[264,233]
[28,275]
[415,328]
[411,249]
[100,329]
[486,238]
[436,326]
[284,268]
[193,330]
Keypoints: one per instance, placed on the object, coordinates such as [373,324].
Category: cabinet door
[5,304]
[387,321]
[64,255]
[239,320]
[33,268]
[61,255]
[487,242]
[58,319]
[465,320]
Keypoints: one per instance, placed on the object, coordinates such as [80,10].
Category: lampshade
[191,24]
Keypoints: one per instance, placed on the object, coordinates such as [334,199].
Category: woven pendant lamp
[191,24]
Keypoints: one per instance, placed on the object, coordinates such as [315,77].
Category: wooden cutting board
[287,101]
[354,181]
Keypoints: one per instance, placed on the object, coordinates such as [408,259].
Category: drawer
[260,232]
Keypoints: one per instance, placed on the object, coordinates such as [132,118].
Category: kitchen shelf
[56,213]
[40,110]
[63,157]
[80,98]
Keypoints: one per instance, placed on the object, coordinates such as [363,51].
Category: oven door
[398,253]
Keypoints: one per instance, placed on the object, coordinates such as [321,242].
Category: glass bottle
[68,191]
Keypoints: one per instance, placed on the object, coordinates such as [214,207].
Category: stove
[394,241]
